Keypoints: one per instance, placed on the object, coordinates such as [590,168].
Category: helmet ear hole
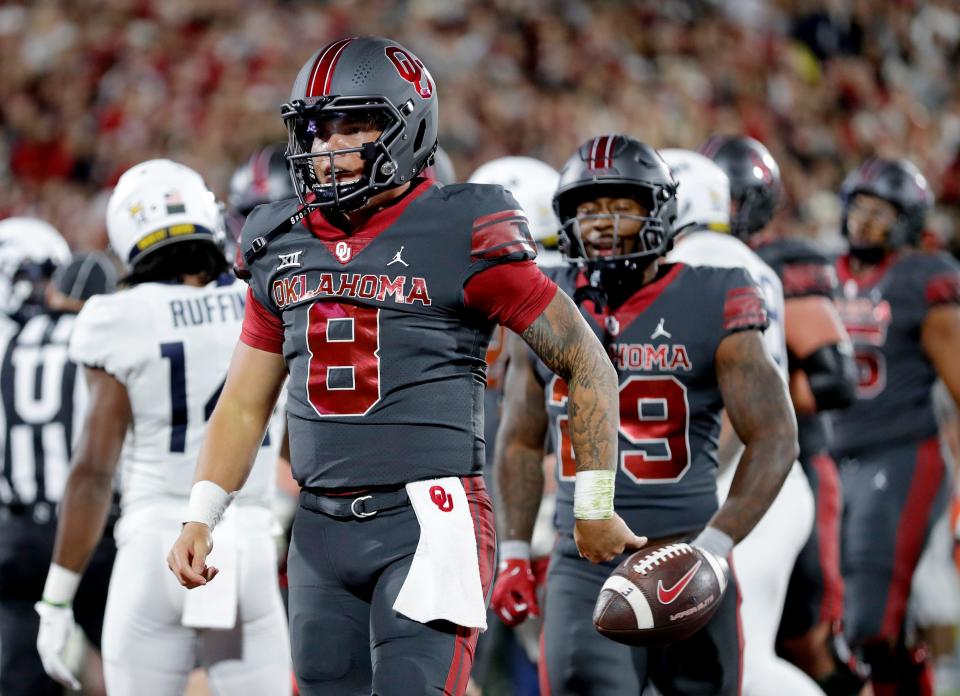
[421,132]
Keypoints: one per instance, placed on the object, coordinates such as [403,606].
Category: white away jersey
[170,345]
[704,248]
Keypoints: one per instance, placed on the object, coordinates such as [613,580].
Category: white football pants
[146,649]
[763,563]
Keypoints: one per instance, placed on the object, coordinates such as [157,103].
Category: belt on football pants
[354,507]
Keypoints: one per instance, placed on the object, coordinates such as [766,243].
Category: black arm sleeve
[832,374]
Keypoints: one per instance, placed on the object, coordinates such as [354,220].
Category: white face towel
[214,605]
[444,578]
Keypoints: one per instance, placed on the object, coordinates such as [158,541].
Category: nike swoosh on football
[668,596]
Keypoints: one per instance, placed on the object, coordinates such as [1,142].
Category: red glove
[515,591]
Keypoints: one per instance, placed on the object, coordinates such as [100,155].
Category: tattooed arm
[562,339]
[518,459]
[757,402]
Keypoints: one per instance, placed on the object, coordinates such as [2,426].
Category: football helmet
[157,203]
[754,181]
[362,76]
[30,251]
[899,182]
[532,183]
[703,191]
[263,178]
[617,166]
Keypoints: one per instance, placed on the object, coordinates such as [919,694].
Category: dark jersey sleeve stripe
[805,279]
[943,288]
[744,309]
[503,233]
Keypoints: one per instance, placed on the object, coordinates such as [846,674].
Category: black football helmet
[754,181]
[381,81]
[899,182]
[263,178]
[617,166]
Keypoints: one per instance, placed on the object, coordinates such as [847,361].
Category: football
[660,595]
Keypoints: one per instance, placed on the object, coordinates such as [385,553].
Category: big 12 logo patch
[411,69]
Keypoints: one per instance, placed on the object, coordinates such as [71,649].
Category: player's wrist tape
[593,494]
[716,542]
[514,550]
[61,586]
[207,503]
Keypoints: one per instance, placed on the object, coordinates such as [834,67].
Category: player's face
[341,132]
[610,226]
[869,220]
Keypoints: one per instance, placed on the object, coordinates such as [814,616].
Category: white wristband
[207,504]
[593,494]
[715,541]
[514,549]
[61,586]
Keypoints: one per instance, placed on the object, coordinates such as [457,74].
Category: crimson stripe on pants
[466,640]
[928,474]
[829,502]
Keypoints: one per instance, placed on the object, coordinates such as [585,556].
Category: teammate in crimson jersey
[822,377]
[902,309]
[377,292]
[685,342]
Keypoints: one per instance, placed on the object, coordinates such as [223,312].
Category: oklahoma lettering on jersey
[293,290]
[386,360]
[662,342]
[884,315]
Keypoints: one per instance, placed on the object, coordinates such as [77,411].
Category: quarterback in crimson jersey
[685,342]
[902,309]
[377,291]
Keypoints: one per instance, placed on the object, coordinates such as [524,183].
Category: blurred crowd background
[90,87]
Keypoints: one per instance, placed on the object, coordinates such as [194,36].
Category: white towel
[214,605]
[444,578]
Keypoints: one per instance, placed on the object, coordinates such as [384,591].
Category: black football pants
[344,576]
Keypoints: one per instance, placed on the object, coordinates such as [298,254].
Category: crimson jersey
[805,272]
[884,315]
[384,329]
[662,342]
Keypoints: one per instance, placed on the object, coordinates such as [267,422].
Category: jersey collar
[626,313]
[360,237]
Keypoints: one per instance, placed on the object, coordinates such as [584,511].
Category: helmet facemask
[305,123]
[619,275]
[650,241]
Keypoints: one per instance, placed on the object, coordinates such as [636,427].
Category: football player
[154,356]
[262,178]
[822,376]
[685,341]
[764,560]
[42,403]
[377,291]
[901,307]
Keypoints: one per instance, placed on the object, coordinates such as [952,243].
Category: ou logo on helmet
[411,69]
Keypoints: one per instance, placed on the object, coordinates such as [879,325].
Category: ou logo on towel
[441,498]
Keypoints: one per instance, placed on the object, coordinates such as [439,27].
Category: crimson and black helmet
[899,182]
[263,178]
[754,181]
[380,80]
[617,166]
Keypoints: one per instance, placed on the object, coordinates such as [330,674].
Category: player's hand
[515,591]
[54,642]
[187,559]
[604,540]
